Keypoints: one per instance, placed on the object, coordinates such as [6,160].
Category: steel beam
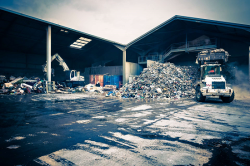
[145,44]
[48,53]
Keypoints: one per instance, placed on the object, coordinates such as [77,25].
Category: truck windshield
[210,70]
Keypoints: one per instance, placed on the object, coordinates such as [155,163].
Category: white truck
[212,82]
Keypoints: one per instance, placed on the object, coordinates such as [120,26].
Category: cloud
[86,5]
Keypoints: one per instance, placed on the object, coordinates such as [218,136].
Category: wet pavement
[79,129]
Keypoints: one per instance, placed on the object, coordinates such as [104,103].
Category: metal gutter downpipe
[48,53]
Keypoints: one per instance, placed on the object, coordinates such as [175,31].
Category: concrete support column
[124,67]
[48,53]
[124,72]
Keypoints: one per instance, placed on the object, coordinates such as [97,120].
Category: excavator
[73,77]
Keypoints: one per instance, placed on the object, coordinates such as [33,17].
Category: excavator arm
[59,60]
[72,75]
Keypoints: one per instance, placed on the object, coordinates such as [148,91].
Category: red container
[92,79]
[100,79]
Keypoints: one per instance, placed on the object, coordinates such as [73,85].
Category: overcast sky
[124,20]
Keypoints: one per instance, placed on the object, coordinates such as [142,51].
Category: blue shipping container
[112,80]
[106,80]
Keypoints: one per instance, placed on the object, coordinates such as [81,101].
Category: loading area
[140,121]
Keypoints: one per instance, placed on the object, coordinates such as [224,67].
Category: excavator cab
[75,76]
[72,77]
[72,74]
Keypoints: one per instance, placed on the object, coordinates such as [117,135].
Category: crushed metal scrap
[162,80]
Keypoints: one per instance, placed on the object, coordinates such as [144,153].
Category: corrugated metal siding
[111,70]
[91,79]
[113,80]
[106,80]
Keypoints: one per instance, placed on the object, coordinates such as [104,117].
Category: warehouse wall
[20,64]
[239,52]
[111,70]
[101,53]
[184,59]
[114,54]
[102,70]
[132,56]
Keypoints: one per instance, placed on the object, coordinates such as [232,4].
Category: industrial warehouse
[30,43]
[181,89]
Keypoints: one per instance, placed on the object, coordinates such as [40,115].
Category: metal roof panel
[194,20]
[58,26]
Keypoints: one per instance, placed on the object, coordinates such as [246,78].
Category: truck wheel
[199,96]
[228,99]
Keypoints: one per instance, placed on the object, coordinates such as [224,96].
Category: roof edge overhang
[63,27]
[192,19]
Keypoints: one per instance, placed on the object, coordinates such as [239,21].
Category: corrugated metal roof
[28,34]
[60,26]
[191,19]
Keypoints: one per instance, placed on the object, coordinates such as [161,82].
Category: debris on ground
[160,80]
[24,85]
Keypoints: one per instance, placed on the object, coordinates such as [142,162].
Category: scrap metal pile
[34,85]
[162,80]
[24,85]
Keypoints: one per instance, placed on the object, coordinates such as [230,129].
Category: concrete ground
[79,129]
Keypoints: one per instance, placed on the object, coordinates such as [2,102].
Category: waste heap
[162,80]
[24,85]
